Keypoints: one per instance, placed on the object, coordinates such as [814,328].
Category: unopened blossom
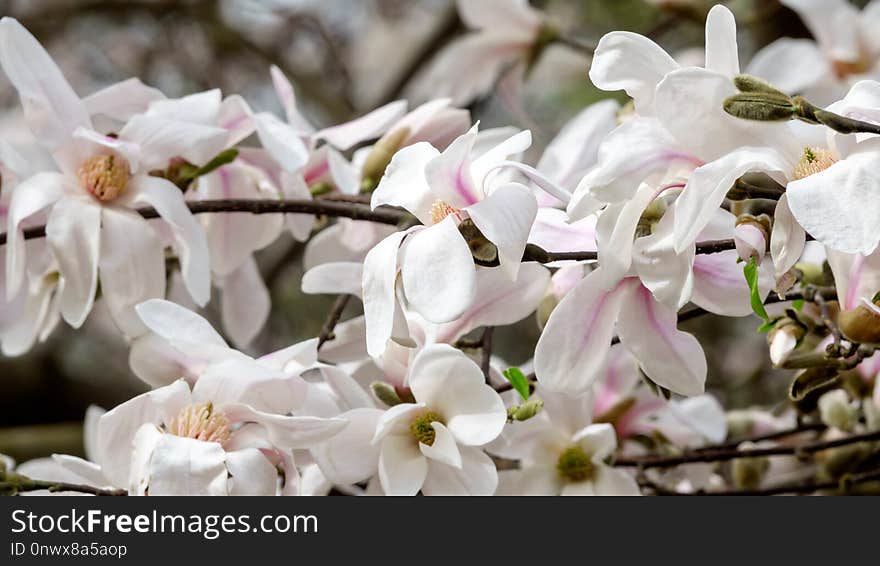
[91,227]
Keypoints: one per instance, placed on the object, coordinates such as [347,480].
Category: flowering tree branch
[842,485]
[14,484]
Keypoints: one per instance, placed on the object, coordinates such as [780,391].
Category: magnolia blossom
[91,227]
[432,444]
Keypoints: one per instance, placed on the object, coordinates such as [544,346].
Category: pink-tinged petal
[245,303]
[444,449]
[235,116]
[511,148]
[191,243]
[294,187]
[122,100]
[180,327]
[540,180]
[287,432]
[856,277]
[705,415]
[553,232]
[721,288]
[367,127]
[349,457]
[638,150]
[787,240]
[132,266]
[73,232]
[185,466]
[631,62]
[448,382]
[671,358]
[233,236]
[346,177]
[250,473]
[449,174]
[282,141]
[405,183]
[380,300]
[834,24]
[791,65]
[161,140]
[574,344]
[696,96]
[402,467]
[438,272]
[100,143]
[477,476]
[498,301]
[848,218]
[708,186]
[614,481]
[288,101]
[343,277]
[515,15]
[118,427]
[89,472]
[294,358]
[29,198]
[667,274]
[721,49]
[620,379]
[505,217]
[198,108]
[51,107]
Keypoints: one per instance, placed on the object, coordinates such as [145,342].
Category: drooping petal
[250,473]
[380,301]
[720,286]
[443,449]
[598,441]
[243,380]
[669,357]
[245,303]
[787,240]
[282,141]
[287,432]
[122,100]
[438,272]
[667,274]
[476,476]
[350,457]
[341,277]
[575,342]
[185,466]
[505,217]
[614,481]
[367,127]
[616,232]
[191,242]
[73,232]
[161,140]
[132,266]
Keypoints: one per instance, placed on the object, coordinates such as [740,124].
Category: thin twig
[332,319]
[841,484]
[486,345]
[13,484]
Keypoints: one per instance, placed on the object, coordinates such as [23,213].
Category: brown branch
[486,345]
[841,485]
[332,319]
[13,484]
[728,453]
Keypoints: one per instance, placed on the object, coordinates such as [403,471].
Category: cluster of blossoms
[712,191]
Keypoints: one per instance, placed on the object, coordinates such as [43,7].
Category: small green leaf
[798,304]
[223,158]
[519,382]
[767,326]
[750,270]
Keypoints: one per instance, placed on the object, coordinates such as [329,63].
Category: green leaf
[798,304]
[519,382]
[767,326]
[223,158]
[750,270]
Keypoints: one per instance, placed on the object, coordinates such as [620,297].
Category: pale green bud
[386,393]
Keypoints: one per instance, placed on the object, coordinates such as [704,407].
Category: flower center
[201,422]
[421,428]
[104,176]
[814,160]
[441,209]
[575,465]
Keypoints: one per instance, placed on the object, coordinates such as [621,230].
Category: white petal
[721,50]
[787,240]
[283,142]
[834,23]
[505,217]
[438,272]
[405,184]
[402,467]
[287,96]
[720,286]
[396,420]
[179,326]
[791,65]
[380,302]
[616,232]
[184,466]
[597,440]
[575,342]
[444,449]
[350,457]
[161,139]
[477,476]
[529,481]
[669,357]
[612,481]
[631,62]
[244,380]
[51,107]
[287,432]
[122,100]
[132,266]
[668,275]
[236,117]
[250,473]
[245,303]
[73,232]
[342,277]
[367,127]
[499,14]
[192,244]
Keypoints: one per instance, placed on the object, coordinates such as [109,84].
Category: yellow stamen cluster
[421,428]
[441,209]
[104,176]
[201,422]
[814,160]
[575,465]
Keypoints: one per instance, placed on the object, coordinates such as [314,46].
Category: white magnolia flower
[91,226]
[433,444]
[845,51]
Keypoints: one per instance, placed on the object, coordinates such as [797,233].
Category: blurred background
[344,57]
